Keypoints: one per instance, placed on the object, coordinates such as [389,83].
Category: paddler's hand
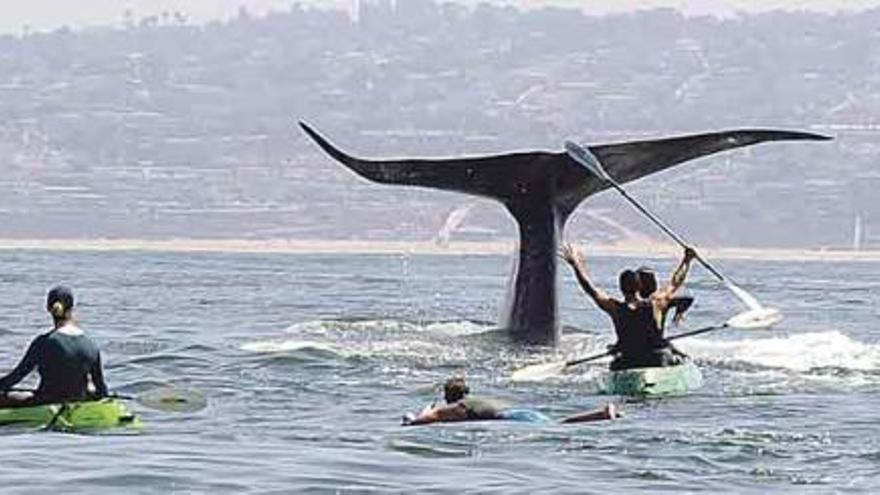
[689,254]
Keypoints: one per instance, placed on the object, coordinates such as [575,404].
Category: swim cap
[59,301]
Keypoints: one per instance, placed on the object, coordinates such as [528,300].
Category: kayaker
[65,358]
[640,341]
[647,289]
[461,406]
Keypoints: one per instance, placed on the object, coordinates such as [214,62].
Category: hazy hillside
[165,129]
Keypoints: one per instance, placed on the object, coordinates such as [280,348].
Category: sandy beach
[636,250]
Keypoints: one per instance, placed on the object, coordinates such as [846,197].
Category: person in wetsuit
[65,358]
[460,406]
[640,341]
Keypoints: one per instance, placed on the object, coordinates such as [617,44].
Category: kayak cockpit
[654,381]
[72,416]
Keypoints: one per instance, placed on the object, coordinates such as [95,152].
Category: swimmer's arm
[575,259]
[606,413]
[27,364]
[441,414]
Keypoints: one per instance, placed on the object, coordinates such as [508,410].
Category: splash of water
[269,346]
[801,352]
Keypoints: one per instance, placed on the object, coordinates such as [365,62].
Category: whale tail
[513,176]
[541,189]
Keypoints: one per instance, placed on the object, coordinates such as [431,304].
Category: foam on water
[771,364]
[411,348]
[368,337]
[325,327]
[270,346]
[798,352]
[436,342]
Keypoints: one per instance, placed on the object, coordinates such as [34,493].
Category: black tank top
[638,332]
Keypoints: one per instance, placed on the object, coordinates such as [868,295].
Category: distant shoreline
[41,16]
[456,248]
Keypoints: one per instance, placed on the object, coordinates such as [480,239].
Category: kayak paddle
[762,316]
[168,399]
[538,372]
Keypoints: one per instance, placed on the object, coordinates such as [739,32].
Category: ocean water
[309,361]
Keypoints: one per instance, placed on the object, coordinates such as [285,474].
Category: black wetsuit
[640,341]
[64,363]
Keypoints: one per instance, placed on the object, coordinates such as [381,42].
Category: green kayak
[73,416]
[655,381]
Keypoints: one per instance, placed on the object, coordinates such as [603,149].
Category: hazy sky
[50,14]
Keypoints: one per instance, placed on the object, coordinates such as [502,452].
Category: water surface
[308,362]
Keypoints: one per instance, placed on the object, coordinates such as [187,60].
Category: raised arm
[575,259]
[679,276]
[25,366]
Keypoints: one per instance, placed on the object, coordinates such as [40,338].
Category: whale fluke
[541,189]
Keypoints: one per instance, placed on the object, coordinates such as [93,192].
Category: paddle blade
[586,158]
[171,400]
[755,318]
[538,372]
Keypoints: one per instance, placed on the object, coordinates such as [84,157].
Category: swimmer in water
[461,406]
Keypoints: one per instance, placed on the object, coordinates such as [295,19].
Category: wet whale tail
[541,189]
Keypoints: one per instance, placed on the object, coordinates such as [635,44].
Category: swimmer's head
[455,389]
